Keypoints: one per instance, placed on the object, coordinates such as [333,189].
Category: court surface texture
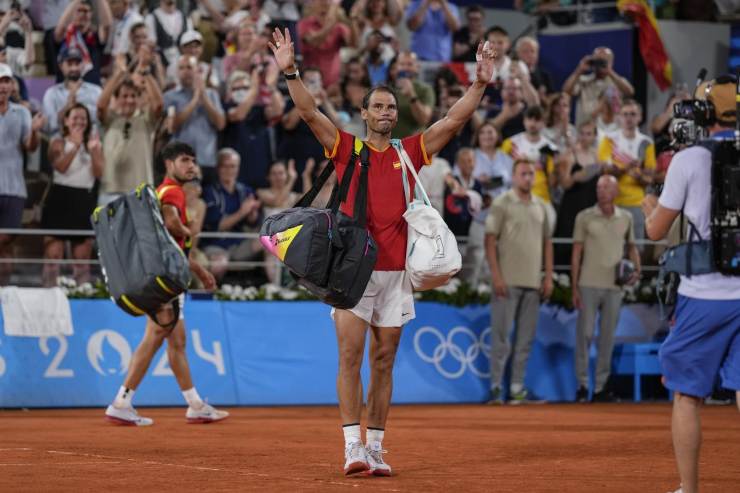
[459,448]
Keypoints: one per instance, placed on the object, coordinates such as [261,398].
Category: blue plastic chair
[637,360]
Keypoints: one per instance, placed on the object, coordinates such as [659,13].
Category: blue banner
[273,353]
[87,368]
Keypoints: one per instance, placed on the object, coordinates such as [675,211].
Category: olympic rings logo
[447,347]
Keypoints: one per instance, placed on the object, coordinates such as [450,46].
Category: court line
[86,463]
[18,448]
[213,469]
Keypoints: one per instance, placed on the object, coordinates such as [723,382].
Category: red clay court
[460,448]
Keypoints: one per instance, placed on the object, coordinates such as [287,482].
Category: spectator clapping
[76,31]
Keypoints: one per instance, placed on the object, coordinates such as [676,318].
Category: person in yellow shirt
[629,155]
[536,148]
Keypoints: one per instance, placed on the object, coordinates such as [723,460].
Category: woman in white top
[606,115]
[558,128]
[493,169]
[77,159]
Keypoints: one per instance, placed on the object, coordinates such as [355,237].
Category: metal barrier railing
[235,264]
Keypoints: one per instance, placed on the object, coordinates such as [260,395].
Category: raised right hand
[292,173]
[310,165]
[283,50]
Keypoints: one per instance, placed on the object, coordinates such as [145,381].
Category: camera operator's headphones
[719,95]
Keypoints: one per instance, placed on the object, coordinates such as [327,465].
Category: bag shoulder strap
[311,194]
[357,151]
[693,233]
[408,167]
[360,209]
[339,191]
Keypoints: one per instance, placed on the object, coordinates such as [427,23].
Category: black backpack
[143,266]
[329,253]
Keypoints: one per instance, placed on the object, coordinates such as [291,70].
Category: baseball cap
[190,36]
[5,71]
[69,53]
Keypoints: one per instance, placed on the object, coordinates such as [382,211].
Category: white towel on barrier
[35,312]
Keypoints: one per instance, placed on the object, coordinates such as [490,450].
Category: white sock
[515,388]
[123,397]
[352,433]
[192,397]
[374,438]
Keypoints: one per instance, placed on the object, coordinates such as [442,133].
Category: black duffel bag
[143,265]
[330,254]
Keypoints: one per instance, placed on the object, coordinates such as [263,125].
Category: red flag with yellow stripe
[651,45]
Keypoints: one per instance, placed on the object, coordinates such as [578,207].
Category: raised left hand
[484,66]
[25,23]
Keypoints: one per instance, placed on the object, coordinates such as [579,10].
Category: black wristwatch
[292,76]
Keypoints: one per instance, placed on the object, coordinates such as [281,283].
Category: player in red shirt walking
[388,301]
[179,159]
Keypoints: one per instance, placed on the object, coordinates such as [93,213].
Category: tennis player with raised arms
[388,301]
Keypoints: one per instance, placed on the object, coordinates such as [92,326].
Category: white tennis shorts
[388,300]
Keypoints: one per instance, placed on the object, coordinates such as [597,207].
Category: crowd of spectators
[132,75]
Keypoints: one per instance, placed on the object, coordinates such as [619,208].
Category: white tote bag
[432,256]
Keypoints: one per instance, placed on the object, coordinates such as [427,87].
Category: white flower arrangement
[85,290]
[455,292]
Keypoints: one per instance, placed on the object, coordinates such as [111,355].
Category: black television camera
[725,171]
[725,192]
[725,214]
[691,117]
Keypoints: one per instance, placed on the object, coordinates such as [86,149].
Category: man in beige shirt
[517,244]
[599,238]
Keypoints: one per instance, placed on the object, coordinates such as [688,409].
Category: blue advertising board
[275,353]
